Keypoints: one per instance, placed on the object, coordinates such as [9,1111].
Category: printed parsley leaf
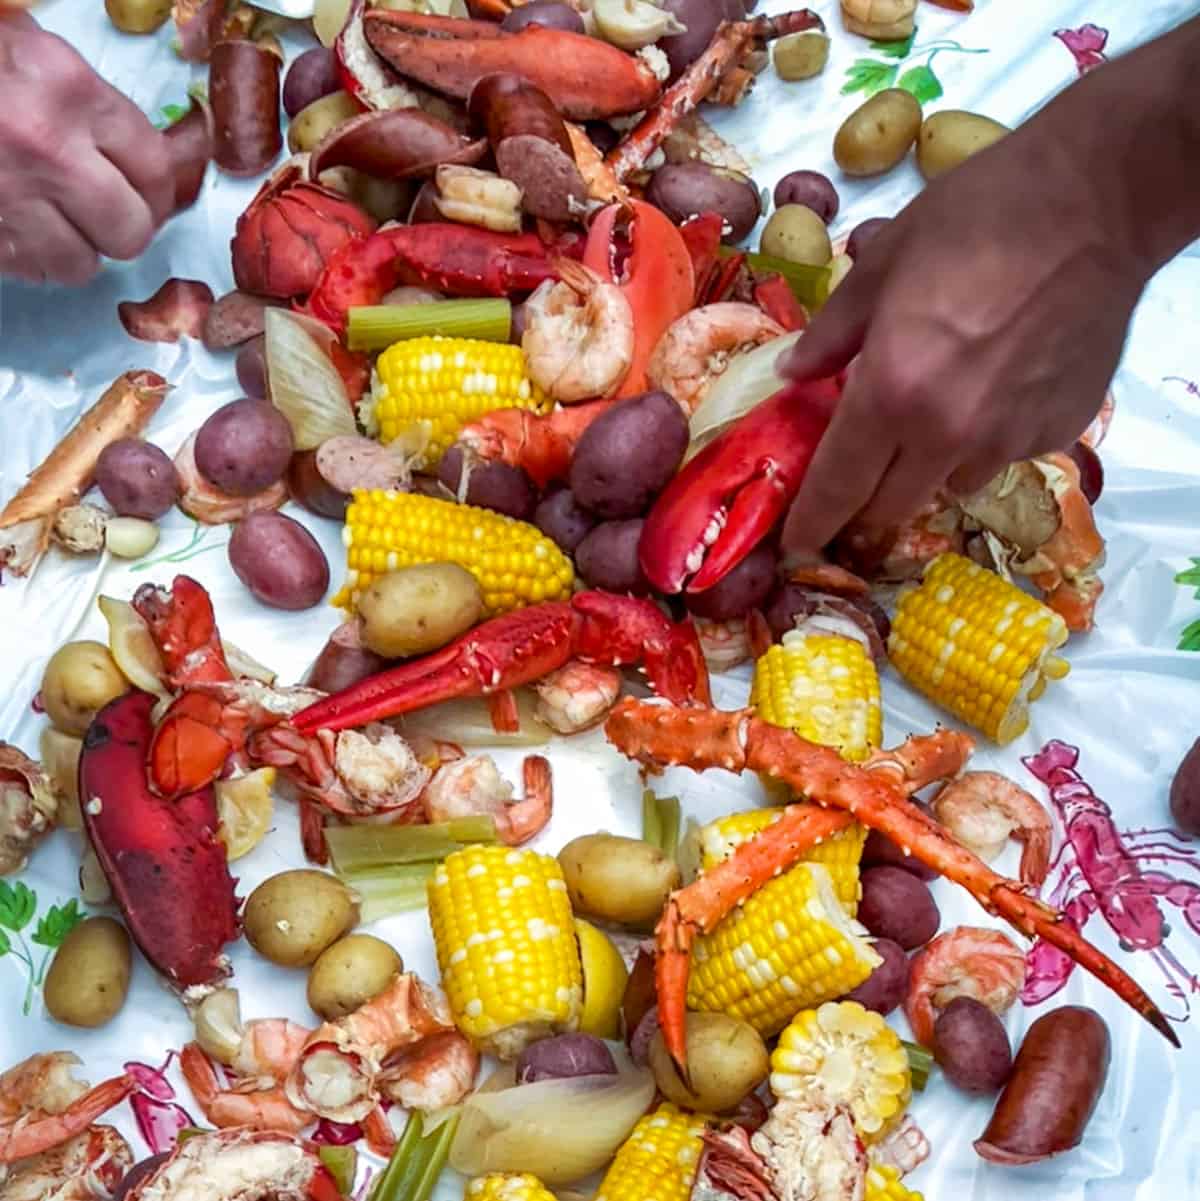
[17,904]
[922,83]
[1189,640]
[5,945]
[896,49]
[56,923]
[868,75]
[1191,577]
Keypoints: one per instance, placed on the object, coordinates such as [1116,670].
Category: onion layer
[305,385]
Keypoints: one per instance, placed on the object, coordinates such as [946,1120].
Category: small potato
[726,1060]
[316,119]
[490,485]
[800,55]
[742,589]
[349,973]
[279,561]
[608,557]
[797,234]
[244,447]
[138,16]
[896,905]
[617,879]
[563,519]
[80,679]
[971,1046]
[137,479]
[887,986]
[810,188]
[951,137]
[876,136]
[1185,792]
[60,753]
[549,13]
[419,609]
[682,190]
[312,75]
[88,980]
[565,1057]
[292,917]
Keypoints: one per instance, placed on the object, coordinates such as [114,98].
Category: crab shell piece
[234,1165]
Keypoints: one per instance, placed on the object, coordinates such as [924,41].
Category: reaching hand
[83,173]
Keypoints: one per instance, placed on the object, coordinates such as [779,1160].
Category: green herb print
[871,75]
[18,904]
[1189,640]
[195,546]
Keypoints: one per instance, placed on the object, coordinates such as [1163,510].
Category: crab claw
[586,79]
[726,500]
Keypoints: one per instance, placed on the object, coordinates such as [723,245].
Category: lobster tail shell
[167,871]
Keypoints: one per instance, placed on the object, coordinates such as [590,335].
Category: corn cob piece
[508,1186]
[439,384]
[839,855]
[514,562]
[823,686]
[790,945]
[849,1055]
[884,1184]
[658,1161]
[505,941]
[977,645]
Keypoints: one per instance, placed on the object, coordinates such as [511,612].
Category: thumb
[836,333]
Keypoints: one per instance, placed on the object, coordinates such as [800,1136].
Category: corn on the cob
[508,1186]
[839,855]
[846,1054]
[823,686]
[505,941]
[790,945]
[884,1184]
[440,384]
[514,562]
[658,1161]
[977,645]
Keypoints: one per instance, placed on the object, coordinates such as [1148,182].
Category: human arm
[83,173]
[989,317]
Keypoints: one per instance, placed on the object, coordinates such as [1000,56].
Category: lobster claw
[586,79]
[726,500]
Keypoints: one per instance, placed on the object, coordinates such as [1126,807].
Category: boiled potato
[138,16]
[726,1060]
[292,917]
[88,980]
[800,55]
[876,136]
[349,973]
[419,609]
[81,678]
[952,136]
[617,879]
[315,120]
[795,233]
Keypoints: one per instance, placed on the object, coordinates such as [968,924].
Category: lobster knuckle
[477,197]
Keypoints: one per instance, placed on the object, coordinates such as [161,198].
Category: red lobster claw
[725,501]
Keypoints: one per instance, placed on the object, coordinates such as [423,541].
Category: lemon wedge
[604,976]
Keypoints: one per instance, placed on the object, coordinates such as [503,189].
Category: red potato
[1051,1095]
[743,589]
[243,85]
[971,1046]
[530,144]
[177,310]
[279,561]
[887,986]
[137,478]
[549,13]
[896,905]
[1185,793]
[190,144]
[251,369]
[312,75]
[563,519]
[235,318]
[396,143]
[244,447]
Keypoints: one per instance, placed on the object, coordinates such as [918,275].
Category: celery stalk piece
[399,1167]
[435,1162]
[355,848]
[809,284]
[920,1064]
[342,1163]
[669,817]
[377,326]
[385,892]
[651,819]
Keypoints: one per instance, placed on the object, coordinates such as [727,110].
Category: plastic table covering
[1128,703]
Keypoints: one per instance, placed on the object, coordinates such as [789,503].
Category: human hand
[987,319]
[83,173]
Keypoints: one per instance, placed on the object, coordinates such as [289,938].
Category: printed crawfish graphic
[1086,45]
[1102,868]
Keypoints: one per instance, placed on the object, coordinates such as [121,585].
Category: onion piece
[305,385]
[748,380]
[537,1128]
[468,722]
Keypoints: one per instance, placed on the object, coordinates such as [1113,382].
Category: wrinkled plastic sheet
[1129,703]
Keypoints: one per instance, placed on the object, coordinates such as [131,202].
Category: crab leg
[659,734]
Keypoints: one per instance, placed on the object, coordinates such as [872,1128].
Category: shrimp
[578,339]
[967,961]
[87,1168]
[42,1105]
[435,1073]
[880,20]
[576,696]
[473,786]
[983,809]
[698,347]
[725,644]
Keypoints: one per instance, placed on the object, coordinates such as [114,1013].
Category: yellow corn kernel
[884,1184]
[658,1161]
[507,1186]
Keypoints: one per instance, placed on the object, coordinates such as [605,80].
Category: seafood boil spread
[510,437]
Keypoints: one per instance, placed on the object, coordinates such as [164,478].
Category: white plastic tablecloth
[1129,703]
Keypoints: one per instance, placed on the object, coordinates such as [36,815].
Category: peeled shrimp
[983,809]
[880,20]
[577,695]
[967,961]
[698,346]
[474,786]
[578,339]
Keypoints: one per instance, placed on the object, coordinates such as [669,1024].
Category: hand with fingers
[83,173]
[984,324]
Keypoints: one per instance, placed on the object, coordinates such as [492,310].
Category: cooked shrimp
[983,809]
[473,786]
[578,339]
[87,1168]
[724,644]
[699,346]
[577,695]
[966,961]
[437,1072]
[880,20]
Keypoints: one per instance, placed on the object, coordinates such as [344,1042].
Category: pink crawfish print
[1086,45]
[1101,868]
[159,1118]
